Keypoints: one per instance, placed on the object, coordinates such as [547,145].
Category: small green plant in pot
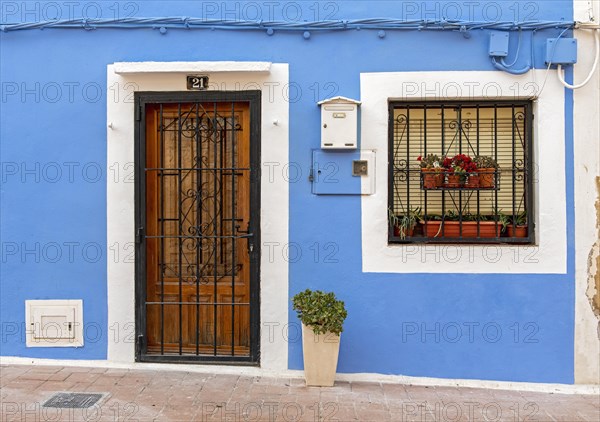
[432,171]
[487,169]
[322,316]
[518,226]
[404,225]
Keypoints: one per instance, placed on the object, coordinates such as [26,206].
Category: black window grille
[492,203]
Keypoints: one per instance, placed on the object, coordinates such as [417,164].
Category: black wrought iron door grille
[197,244]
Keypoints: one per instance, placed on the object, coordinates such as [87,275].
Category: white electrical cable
[560,73]
[547,72]
[516,54]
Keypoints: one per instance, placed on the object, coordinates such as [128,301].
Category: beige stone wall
[587,215]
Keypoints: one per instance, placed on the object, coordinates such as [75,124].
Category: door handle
[248,236]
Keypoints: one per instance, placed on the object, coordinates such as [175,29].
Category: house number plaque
[197,83]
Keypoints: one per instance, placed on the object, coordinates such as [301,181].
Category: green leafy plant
[485,162]
[408,221]
[520,219]
[392,218]
[451,215]
[405,222]
[321,311]
[473,217]
[416,213]
[431,161]
[503,219]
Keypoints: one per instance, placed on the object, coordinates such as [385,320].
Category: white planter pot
[320,357]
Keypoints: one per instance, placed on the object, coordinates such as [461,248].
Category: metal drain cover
[73,400]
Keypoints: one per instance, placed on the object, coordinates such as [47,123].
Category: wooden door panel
[197,207]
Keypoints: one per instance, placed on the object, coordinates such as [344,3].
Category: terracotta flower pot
[473,181]
[469,229]
[518,231]
[432,179]
[454,181]
[487,177]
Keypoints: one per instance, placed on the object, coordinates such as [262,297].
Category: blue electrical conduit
[500,66]
[339,25]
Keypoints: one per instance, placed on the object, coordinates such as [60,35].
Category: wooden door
[197,240]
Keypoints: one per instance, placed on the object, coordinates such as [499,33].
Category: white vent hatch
[54,323]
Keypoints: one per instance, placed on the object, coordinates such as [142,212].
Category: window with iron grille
[460,172]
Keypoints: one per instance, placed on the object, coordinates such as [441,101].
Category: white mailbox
[339,123]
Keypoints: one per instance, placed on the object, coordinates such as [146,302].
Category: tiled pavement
[144,395]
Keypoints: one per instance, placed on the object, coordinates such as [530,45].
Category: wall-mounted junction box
[498,44]
[561,51]
[54,323]
[339,123]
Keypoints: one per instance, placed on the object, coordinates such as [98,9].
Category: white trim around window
[549,255]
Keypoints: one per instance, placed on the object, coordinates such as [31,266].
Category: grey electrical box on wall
[339,123]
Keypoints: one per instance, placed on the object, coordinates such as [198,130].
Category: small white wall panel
[54,323]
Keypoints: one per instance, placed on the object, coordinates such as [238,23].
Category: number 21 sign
[197,83]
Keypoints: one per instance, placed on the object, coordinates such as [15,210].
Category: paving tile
[85,377]
[563,417]
[341,412]
[394,389]
[56,386]
[45,369]
[73,369]
[475,392]
[366,387]
[370,415]
[176,413]
[25,384]
[418,393]
[59,376]
[36,376]
[299,381]
[595,398]
[592,415]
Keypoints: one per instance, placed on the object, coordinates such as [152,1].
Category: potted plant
[404,225]
[452,224]
[473,179]
[487,168]
[458,168]
[518,226]
[503,219]
[432,171]
[322,317]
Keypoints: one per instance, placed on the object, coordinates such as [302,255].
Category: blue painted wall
[60,124]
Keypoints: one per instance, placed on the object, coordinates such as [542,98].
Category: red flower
[419,158]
